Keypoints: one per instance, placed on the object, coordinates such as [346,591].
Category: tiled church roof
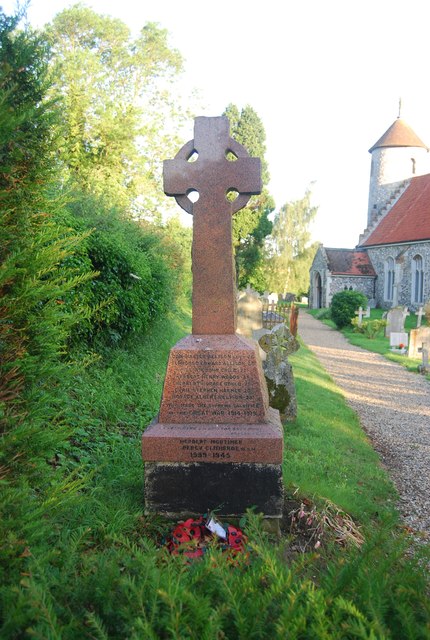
[399,134]
[349,262]
[409,219]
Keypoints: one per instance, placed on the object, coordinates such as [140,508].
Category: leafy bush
[370,328]
[140,272]
[344,305]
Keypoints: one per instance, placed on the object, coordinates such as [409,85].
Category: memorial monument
[216,444]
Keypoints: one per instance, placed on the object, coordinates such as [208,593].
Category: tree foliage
[116,105]
[251,225]
[290,252]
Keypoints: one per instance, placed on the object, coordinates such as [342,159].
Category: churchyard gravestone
[216,444]
[417,338]
[360,314]
[424,366]
[278,344]
[419,315]
[367,314]
[249,313]
[396,320]
[398,338]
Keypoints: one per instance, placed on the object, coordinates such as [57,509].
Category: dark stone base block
[178,489]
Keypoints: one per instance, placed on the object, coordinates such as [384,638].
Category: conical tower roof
[399,134]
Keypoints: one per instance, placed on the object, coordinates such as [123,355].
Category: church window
[413,166]
[417,279]
[389,279]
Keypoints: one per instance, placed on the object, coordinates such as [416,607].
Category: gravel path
[394,409]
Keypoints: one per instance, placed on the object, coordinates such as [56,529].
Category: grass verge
[79,559]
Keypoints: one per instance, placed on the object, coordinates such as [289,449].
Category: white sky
[325,76]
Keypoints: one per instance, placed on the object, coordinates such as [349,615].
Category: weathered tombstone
[419,315]
[216,443]
[417,338]
[278,344]
[249,314]
[367,314]
[398,338]
[424,366]
[395,321]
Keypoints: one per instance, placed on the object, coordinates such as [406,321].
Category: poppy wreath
[191,537]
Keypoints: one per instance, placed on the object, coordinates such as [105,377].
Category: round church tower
[397,156]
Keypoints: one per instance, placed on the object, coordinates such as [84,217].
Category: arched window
[389,279]
[417,279]
[414,165]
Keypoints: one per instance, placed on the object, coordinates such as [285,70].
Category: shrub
[141,271]
[344,305]
[370,328]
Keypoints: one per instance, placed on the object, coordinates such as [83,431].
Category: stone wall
[404,255]
[363,284]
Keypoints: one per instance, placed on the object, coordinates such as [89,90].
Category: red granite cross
[213,175]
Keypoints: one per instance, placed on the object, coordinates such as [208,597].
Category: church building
[391,262]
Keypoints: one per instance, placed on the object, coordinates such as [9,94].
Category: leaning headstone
[249,314]
[395,321]
[216,443]
[417,338]
[278,344]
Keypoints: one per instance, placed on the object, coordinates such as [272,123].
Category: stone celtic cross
[212,164]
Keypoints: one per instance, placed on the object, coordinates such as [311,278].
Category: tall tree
[116,103]
[250,225]
[290,252]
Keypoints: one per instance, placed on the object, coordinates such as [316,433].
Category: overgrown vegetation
[369,328]
[81,559]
